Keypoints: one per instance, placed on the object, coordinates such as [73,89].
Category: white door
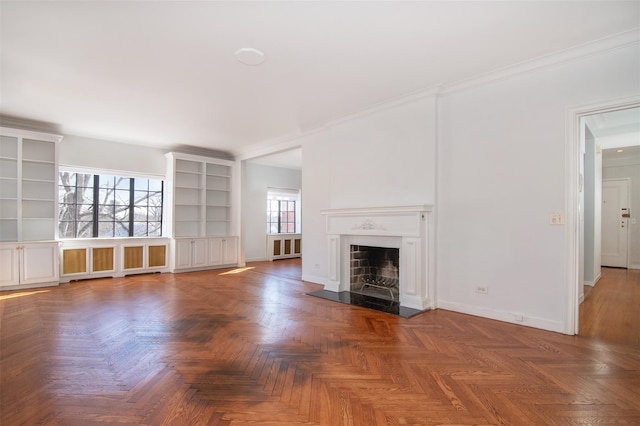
[615,205]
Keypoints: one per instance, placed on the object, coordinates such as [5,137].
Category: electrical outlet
[482,289]
[556,219]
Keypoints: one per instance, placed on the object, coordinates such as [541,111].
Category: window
[108,206]
[283,209]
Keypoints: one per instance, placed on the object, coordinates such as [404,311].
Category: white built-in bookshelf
[200,194]
[28,184]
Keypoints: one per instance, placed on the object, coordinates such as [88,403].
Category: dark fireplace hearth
[375,271]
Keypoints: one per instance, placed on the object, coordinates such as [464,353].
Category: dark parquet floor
[250,347]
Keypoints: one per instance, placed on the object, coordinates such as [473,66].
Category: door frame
[628,201]
[573,188]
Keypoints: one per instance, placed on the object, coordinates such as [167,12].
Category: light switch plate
[556,219]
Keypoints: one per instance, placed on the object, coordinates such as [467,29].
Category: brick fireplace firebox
[405,228]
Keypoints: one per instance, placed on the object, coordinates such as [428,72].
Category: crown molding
[387,104]
[610,43]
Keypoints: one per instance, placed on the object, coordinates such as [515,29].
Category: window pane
[121,229]
[155,185]
[66,212]
[122,214]
[106,196]
[106,213]
[84,180]
[85,229]
[155,199]
[140,213]
[273,228]
[105,229]
[122,183]
[141,184]
[291,228]
[66,195]
[141,198]
[67,179]
[155,229]
[122,197]
[67,229]
[84,195]
[84,211]
[139,229]
[155,214]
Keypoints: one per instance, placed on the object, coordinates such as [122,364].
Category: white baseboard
[634,266]
[510,317]
[581,298]
[257,259]
[314,279]
[594,282]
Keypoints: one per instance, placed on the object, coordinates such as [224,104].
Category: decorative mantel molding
[403,227]
[399,221]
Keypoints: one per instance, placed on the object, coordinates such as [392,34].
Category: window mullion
[132,201]
[96,203]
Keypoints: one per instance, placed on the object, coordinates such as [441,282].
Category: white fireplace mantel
[403,227]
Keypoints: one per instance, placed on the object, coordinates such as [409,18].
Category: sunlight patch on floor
[238,270]
[22,293]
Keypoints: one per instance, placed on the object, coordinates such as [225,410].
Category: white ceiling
[290,159]
[164,73]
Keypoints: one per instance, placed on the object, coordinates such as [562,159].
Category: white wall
[255,182]
[630,170]
[502,172]
[385,158]
[100,154]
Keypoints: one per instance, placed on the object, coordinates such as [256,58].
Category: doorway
[608,168]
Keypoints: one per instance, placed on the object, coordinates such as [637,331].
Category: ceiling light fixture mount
[249,56]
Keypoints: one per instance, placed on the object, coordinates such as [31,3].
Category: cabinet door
[39,263]
[183,253]
[230,250]
[215,251]
[9,261]
[199,253]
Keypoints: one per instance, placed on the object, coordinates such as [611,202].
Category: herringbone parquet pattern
[251,348]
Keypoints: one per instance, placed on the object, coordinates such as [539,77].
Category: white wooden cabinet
[28,185]
[192,254]
[223,251]
[189,253]
[200,212]
[24,265]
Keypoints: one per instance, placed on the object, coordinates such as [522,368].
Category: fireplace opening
[375,271]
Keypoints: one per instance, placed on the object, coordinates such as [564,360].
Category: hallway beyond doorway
[610,310]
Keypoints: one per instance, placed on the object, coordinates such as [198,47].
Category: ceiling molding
[616,41]
[384,105]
